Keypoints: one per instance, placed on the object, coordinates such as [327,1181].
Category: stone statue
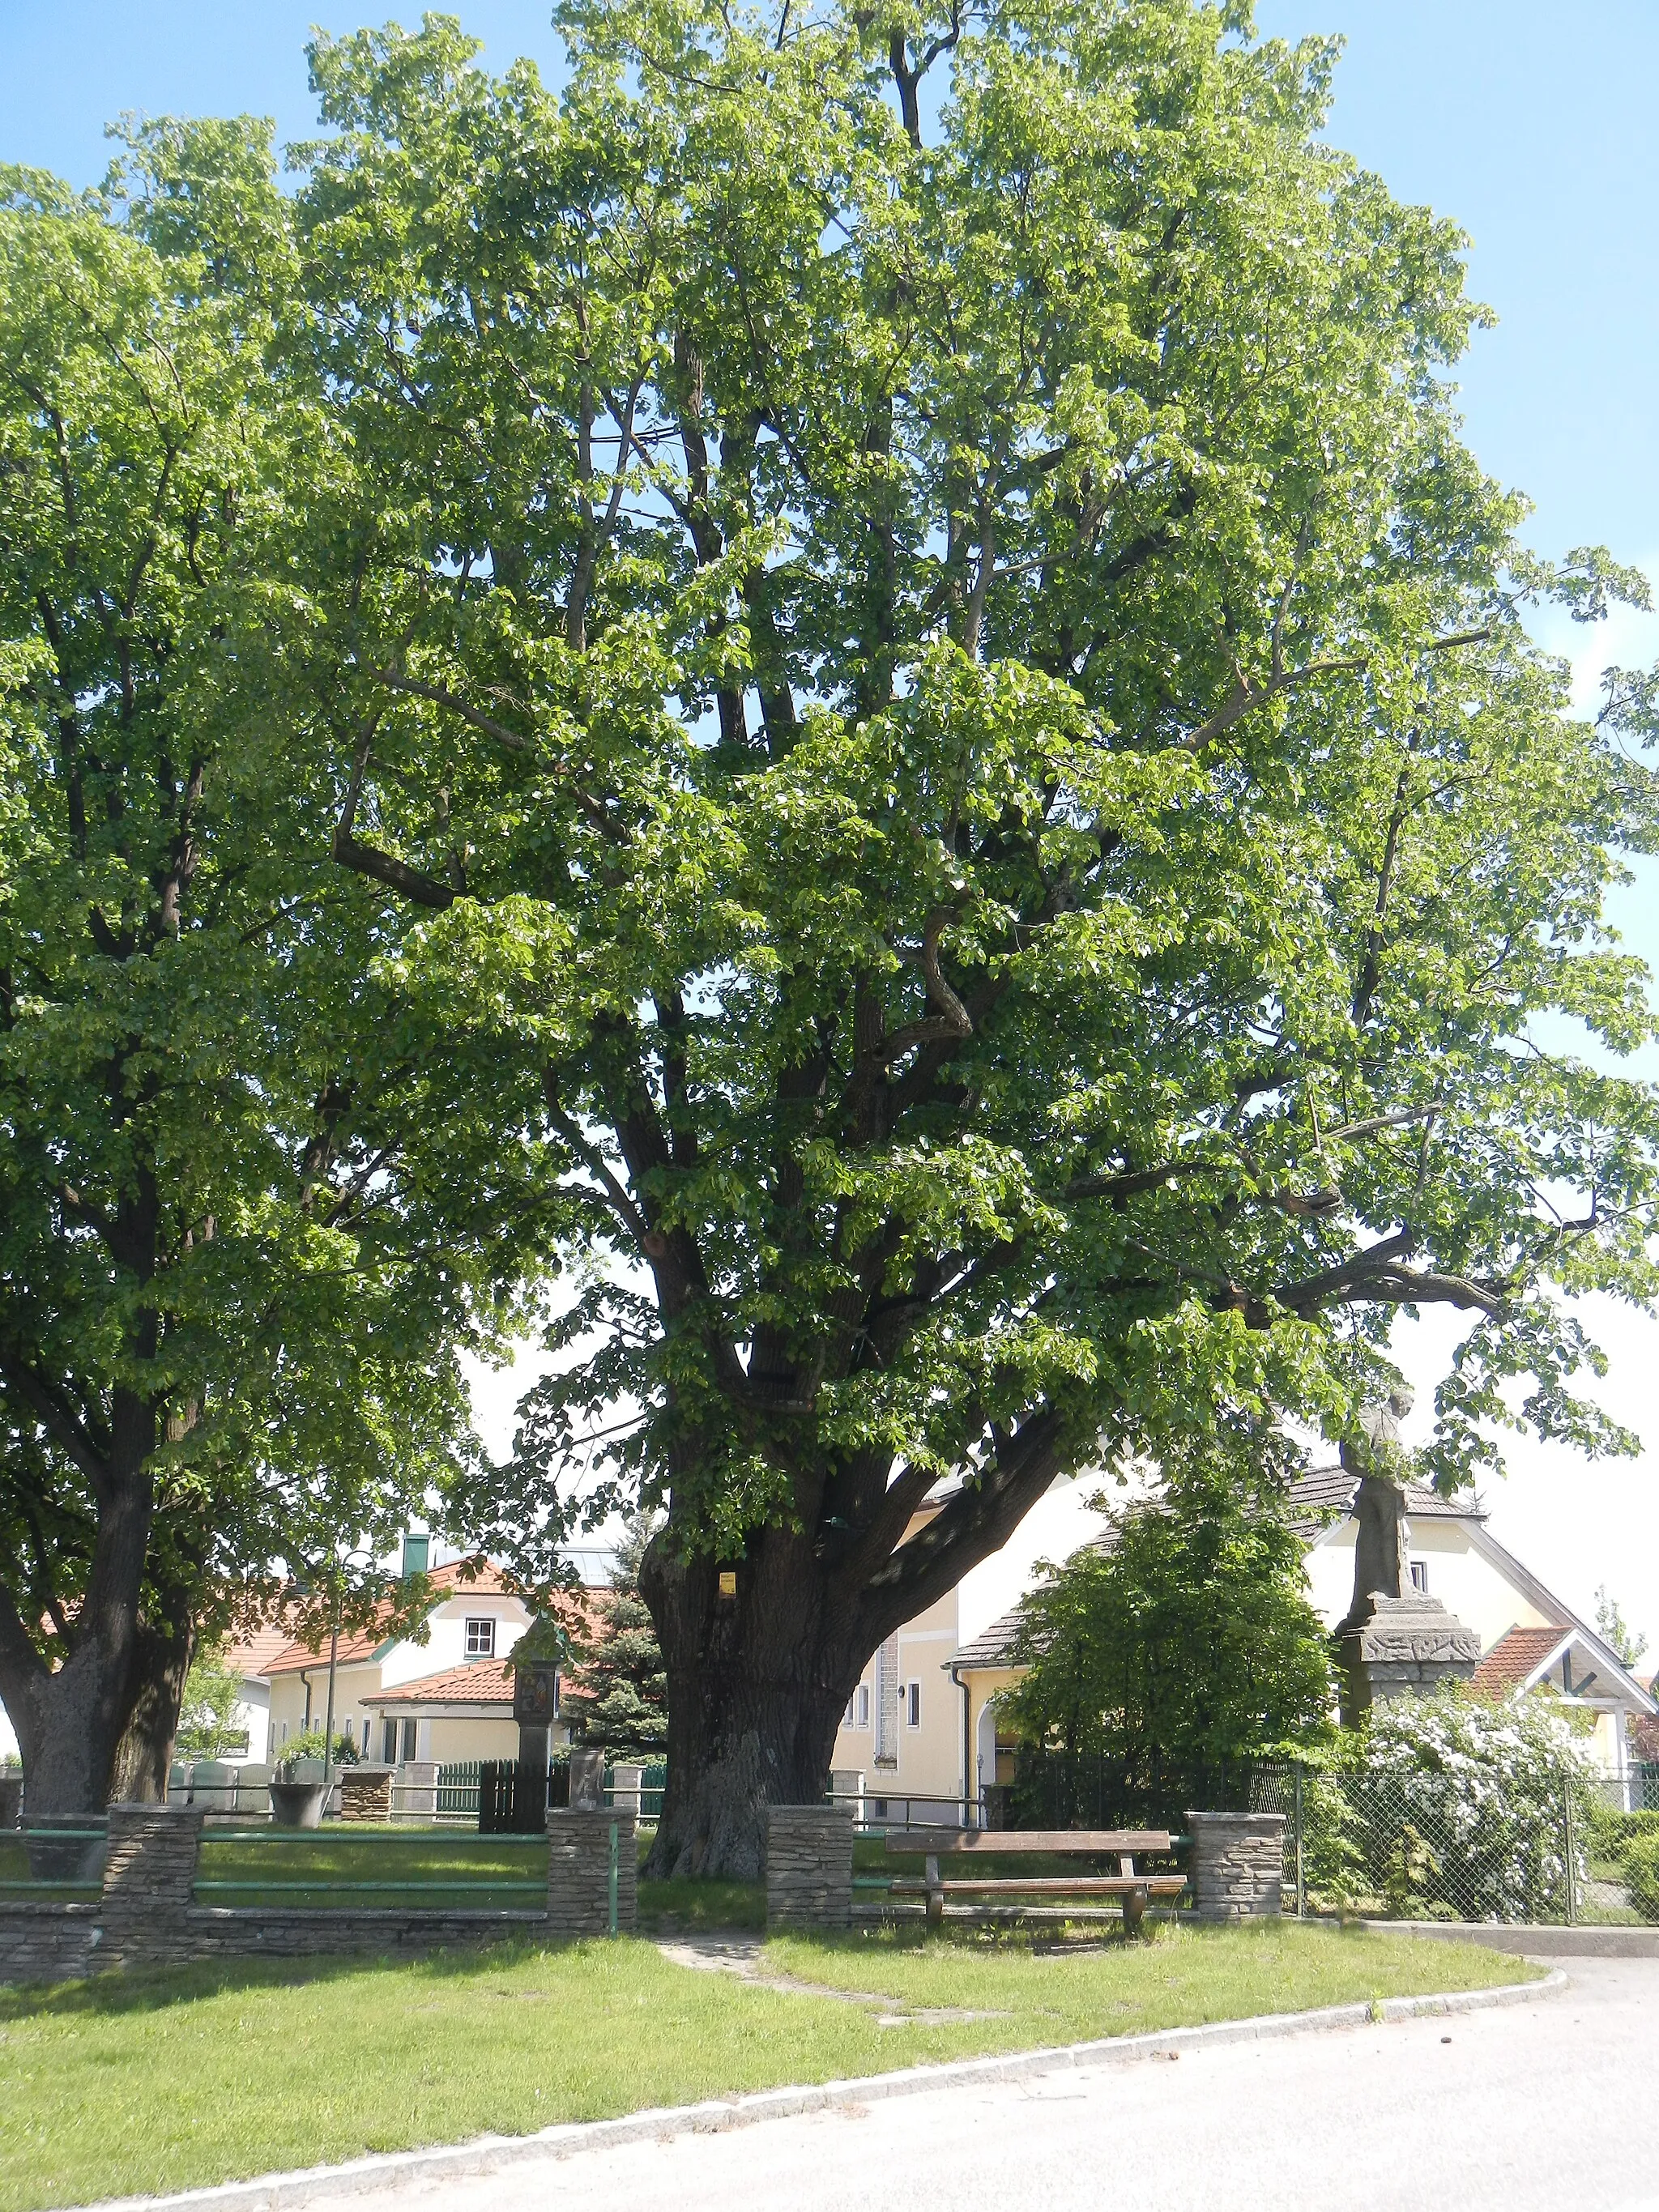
[1394,1639]
[1380,1459]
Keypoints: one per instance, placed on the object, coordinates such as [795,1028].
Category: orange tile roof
[473,1682]
[1516,1656]
[459,1579]
[253,1652]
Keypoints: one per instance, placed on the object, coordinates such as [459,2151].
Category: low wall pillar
[579,1865]
[150,1881]
[1238,1868]
[809,1865]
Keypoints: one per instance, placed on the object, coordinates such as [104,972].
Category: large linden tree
[905,632]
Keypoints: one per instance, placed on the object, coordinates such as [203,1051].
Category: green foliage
[1612,1831]
[932,766]
[1640,1868]
[949,715]
[1449,1808]
[619,1693]
[1185,1635]
[312,1742]
[1610,1624]
[207,1710]
[220,1317]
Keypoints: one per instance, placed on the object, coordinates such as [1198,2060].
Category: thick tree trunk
[161,1654]
[758,1682]
[68,1723]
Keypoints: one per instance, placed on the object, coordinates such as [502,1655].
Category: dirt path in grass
[739,1956]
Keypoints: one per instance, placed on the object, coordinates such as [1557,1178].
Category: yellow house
[473,1625]
[899,1749]
[1528,1637]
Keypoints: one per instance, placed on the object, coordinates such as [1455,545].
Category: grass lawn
[439,1867]
[145,2082]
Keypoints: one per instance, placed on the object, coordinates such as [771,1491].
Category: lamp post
[338,1562]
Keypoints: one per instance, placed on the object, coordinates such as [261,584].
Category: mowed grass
[133,2084]
[333,1869]
[1183,1976]
[384,1869]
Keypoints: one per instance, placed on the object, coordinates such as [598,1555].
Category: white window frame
[481,1636]
[1419,1569]
[913,1704]
[857,1715]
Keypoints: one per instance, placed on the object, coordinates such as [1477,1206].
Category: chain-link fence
[1450,1839]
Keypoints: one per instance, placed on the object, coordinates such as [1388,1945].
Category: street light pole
[328,1727]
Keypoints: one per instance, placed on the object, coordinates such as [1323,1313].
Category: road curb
[287,2192]
[1522,1939]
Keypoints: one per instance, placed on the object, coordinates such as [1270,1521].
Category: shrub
[1184,1639]
[1640,1867]
[1612,1832]
[312,1744]
[1445,1806]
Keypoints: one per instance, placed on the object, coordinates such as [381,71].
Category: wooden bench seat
[1135,1889]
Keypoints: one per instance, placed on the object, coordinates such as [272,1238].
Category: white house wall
[1467,1583]
[445,1645]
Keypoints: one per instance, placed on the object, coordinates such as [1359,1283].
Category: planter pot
[77,1855]
[296,1804]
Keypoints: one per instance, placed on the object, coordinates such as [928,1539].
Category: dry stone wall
[578,1844]
[1237,1864]
[809,1865]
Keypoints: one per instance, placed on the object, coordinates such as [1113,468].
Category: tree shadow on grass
[156,1989]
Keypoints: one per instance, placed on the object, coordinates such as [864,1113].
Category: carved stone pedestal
[1400,1645]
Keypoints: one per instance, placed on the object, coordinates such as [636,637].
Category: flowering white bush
[1449,1805]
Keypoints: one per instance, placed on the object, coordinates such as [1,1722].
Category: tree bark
[161,1654]
[758,1682]
[70,1722]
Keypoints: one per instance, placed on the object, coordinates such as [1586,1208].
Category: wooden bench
[1136,1890]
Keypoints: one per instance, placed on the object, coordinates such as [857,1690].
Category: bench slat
[1105,1885]
[1017,1842]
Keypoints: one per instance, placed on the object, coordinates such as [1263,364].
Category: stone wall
[45,1943]
[149,1916]
[149,1878]
[365,1793]
[579,1872]
[1237,1866]
[287,1932]
[809,1865]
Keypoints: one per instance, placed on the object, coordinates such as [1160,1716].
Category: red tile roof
[252,1652]
[1516,1656]
[461,1579]
[474,1682]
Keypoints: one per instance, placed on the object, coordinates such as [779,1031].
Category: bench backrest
[1012,1842]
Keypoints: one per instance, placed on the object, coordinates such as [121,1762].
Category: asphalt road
[1545,2105]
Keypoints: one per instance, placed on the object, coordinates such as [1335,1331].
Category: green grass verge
[145,2082]
[406,1866]
[437,1868]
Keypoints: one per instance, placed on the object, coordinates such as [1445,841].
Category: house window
[389,1743]
[1420,1577]
[913,1704]
[857,1715]
[368,1725]
[408,1738]
[481,1638]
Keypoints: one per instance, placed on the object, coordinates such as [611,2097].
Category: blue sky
[1529,122]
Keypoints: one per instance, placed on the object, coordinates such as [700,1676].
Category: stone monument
[535,1700]
[1395,1638]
